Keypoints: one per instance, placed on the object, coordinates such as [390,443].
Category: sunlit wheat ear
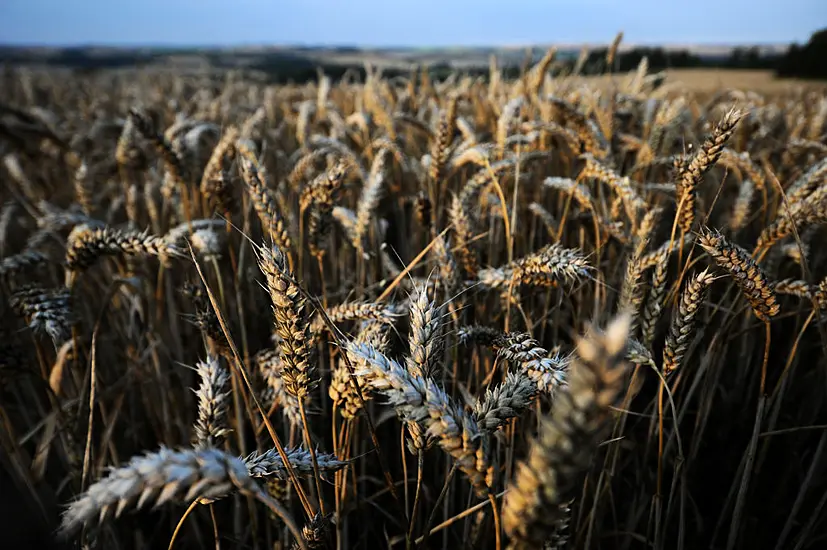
[368,201]
[546,370]
[290,323]
[383,142]
[222,154]
[218,192]
[631,293]
[750,278]
[347,219]
[263,199]
[538,72]
[127,153]
[344,153]
[654,301]
[425,351]
[463,233]
[322,196]
[682,328]
[270,464]
[568,438]
[548,267]
[159,477]
[611,53]
[306,110]
[441,149]
[425,343]
[174,165]
[693,173]
[303,165]
[252,125]
[469,151]
[211,425]
[752,172]
[85,246]
[341,389]
[421,400]
[504,402]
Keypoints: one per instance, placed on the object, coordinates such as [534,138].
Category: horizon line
[321,45]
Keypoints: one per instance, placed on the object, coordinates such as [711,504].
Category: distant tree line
[807,61]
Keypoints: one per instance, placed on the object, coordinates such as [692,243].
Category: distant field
[760,81]
[710,80]
[300,63]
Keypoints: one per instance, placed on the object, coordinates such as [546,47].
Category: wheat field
[551,312]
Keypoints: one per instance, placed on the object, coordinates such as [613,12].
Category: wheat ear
[748,275]
[701,163]
[683,320]
[421,400]
[506,401]
[290,323]
[263,199]
[211,426]
[163,476]
[85,246]
[568,438]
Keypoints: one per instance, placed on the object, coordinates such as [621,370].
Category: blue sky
[405,22]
